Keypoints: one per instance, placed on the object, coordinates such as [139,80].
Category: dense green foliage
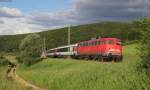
[54,38]
[3,61]
[61,74]
[30,48]
[10,43]
[144,47]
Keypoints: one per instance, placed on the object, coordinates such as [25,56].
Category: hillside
[60,74]
[58,37]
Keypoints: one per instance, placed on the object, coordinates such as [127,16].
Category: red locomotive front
[104,48]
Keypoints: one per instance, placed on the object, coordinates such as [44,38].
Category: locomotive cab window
[119,43]
[108,42]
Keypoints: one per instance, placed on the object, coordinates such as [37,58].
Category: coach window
[89,43]
[92,43]
[81,44]
[85,44]
[97,42]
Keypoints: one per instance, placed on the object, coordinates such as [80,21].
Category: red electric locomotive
[100,49]
[103,48]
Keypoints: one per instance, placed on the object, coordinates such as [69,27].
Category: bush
[144,46]
[31,48]
[129,42]
[3,61]
[18,58]
[28,61]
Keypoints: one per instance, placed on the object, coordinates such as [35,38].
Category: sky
[26,16]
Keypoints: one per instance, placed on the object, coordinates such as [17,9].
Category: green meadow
[6,84]
[69,74]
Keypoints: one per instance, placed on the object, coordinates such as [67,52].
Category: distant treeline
[123,30]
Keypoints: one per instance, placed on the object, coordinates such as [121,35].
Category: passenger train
[107,49]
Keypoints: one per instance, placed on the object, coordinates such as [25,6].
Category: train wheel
[90,57]
[99,58]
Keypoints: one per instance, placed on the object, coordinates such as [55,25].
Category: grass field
[8,84]
[68,74]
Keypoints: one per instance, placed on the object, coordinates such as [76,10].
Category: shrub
[129,42]
[18,58]
[3,61]
[30,47]
[144,46]
[28,61]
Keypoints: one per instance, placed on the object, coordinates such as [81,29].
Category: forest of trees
[126,31]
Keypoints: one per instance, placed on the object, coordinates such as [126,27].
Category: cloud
[17,26]
[112,9]
[89,11]
[9,12]
[53,19]
[12,21]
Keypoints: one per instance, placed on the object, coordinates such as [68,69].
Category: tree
[30,48]
[144,46]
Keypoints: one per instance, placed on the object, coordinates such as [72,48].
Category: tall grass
[60,74]
[6,84]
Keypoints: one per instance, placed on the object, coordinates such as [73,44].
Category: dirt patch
[13,76]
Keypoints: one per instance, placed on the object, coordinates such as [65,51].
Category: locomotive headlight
[114,50]
[111,50]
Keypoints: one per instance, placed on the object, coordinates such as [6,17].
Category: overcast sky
[25,16]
